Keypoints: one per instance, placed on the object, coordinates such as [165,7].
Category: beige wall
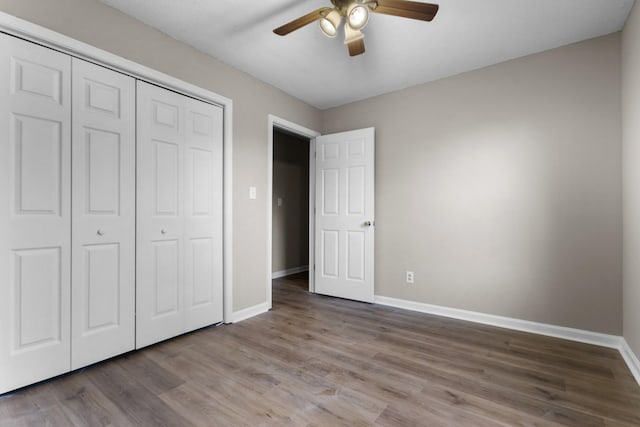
[501,187]
[290,184]
[106,28]
[631,185]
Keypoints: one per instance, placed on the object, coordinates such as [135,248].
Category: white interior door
[344,222]
[35,212]
[103,211]
[179,214]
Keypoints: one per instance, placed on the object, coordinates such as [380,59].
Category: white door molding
[26,30]
[280,123]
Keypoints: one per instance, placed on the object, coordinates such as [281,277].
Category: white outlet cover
[279,201]
[253,193]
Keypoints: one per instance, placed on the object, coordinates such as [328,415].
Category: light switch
[279,201]
[253,193]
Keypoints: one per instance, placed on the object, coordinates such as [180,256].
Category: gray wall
[631,151]
[501,187]
[101,26]
[290,244]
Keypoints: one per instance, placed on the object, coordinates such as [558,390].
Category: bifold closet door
[103,211]
[179,214]
[35,212]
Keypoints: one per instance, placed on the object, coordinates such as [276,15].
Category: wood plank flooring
[320,361]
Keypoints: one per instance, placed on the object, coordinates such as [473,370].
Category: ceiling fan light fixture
[357,16]
[330,22]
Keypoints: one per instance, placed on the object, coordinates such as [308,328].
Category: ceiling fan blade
[300,22]
[356,47]
[407,9]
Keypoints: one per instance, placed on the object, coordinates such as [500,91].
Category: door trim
[35,33]
[276,122]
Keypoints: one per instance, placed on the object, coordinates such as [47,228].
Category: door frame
[25,30]
[276,122]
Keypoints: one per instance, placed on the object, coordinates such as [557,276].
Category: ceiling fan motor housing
[343,6]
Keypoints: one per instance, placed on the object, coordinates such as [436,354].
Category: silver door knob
[100,232]
[163,231]
[368,223]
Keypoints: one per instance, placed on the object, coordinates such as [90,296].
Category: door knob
[368,223]
[163,231]
[100,232]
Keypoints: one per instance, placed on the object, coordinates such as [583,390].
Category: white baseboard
[632,360]
[289,272]
[579,335]
[605,340]
[244,314]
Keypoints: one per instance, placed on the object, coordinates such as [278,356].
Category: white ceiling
[465,35]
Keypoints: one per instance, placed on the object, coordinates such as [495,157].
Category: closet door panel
[35,228]
[160,218]
[103,268]
[203,233]
[179,214]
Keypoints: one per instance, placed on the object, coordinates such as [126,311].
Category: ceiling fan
[356,14]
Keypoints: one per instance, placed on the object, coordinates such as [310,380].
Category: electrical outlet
[409,277]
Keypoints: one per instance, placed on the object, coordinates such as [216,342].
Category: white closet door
[103,211]
[179,221]
[159,229]
[203,210]
[35,228]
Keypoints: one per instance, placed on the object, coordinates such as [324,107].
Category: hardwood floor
[320,361]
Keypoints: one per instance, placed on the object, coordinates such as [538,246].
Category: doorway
[290,200]
[290,204]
